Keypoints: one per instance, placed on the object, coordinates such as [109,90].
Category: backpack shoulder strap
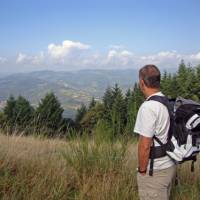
[165,101]
[162,99]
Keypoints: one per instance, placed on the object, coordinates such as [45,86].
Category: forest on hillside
[113,116]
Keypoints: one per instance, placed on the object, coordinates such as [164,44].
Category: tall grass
[82,168]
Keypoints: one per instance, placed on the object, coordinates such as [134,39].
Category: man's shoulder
[151,104]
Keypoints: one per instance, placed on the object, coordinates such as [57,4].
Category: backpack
[183,143]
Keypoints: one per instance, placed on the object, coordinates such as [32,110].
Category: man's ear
[142,84]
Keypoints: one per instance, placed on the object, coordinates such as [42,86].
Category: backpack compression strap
[160,151]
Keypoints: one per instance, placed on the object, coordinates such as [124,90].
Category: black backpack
[183,142]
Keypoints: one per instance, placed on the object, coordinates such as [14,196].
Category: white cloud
[70,55]
[21,58]
[67,47]
[3,60]
[38,59]
[119,58]
[195,56]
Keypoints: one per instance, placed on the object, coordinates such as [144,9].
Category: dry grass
[81,169]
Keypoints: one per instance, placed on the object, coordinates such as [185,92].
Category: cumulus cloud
[119,57]
[71,55]
[172,58]
[66,48]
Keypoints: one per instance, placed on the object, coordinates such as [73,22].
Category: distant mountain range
[71,88]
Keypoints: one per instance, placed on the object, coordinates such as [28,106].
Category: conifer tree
[131,112]
[10,111]
[127,95]
[49,113]
[138,96]
[92,103]
[24,112]
[92,116]
[174,87]
[2,120]
[197,84]
[80,113]
[191,90]
[164,84]
[108,101]
[118,113]
[108,98]
[181,79]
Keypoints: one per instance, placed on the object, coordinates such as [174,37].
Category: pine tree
[138,96]
[24,112]
[108,98]
[118,113]
[92,103]
[190,82]
[197,84]
[2,120]
[164,84]
[108,101]
[49,113]
[80,113]
[126,101]
[92,116]
[10,111]
[116,90]
[181,79]
[174,87]
[131,111]
[168,91]
[127,95]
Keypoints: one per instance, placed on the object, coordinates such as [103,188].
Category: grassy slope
[79,169]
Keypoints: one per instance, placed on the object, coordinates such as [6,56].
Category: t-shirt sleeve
[146,121]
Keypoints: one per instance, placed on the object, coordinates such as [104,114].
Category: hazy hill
[71,88]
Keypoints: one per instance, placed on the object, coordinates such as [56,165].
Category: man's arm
[144,146]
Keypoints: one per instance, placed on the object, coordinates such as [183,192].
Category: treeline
[117,112]
[113,116]
[19,117]
[184,83]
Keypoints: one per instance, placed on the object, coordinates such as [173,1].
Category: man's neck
[151,92]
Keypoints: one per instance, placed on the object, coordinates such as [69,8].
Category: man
[152,120]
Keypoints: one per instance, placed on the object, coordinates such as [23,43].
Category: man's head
[149,79]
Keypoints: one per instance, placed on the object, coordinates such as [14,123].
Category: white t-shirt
[153,119]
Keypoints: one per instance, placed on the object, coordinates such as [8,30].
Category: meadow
[80,168]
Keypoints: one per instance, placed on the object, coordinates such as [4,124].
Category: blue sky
[125,27]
